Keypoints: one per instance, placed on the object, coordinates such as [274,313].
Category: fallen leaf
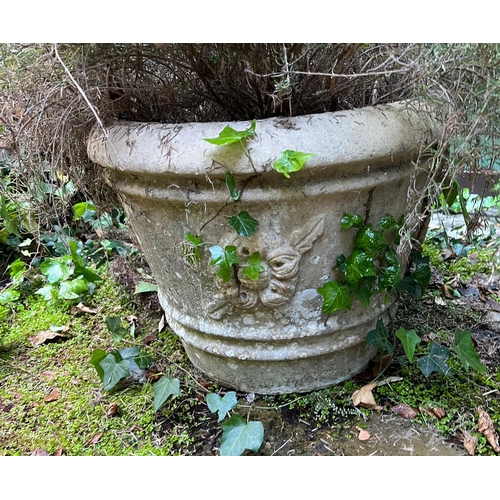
[81,308]
[469,442]
[131,318]
[94,439]
[405,411]
[485,425]
[40,452]
[45,337]
[57,453]
[49,375]
[113,409]
[439,301]
[161,324]
[150,338]
[364,397]
[54,395]
[427,410]
[439,412]
[363,435]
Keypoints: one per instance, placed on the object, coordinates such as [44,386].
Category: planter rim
[378,132]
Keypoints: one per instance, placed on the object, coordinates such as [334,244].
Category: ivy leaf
[369,239]
[422,273]
[72,289]
[143,360]
[291,161]
[48,292]
[336,297]
[129,352]
[379,337]
[238,436]
[360,264]
[10,295]
[410,340]
[57,269]
[230,184]
[465,351]
[435,361]
[221,405]
[340,263]
[362,291]
[228,135]
[85,211]
[192,246]
[351,220]
[144,287]
[97,356]
[390,276]
[163,389]
[388,222]
[253,268]
[114,326]
[113,370]
[224,258]
[243,223]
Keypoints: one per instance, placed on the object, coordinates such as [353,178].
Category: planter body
[267,336]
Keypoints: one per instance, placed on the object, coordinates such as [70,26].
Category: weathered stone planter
[269,335]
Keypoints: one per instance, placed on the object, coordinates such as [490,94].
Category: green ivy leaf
[97,356]
[143,360]
[221,405]
[243,223]
[113,370]
[192,246]
[390,276]
[291,161]
[422,273]
[163,389]
[336,297]
[128,352]
[363,291]
[72,289]
[253,267]
[238,436]
[9,295]
[231,185]
[435,361]
[369,239]
[85,211]
[360,264]
[410,340]
[340,263]
[228,135]
[388,222]
[114,326]
[48,292]
[224,258]
[57,269]
[379,337]
[351,220]
[463,347]
[144,287]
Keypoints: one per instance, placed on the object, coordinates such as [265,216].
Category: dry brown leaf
[486,428]
[94,439]
[439,412]
[364,397]
[427,410]
[46,336]
[150,338]
[405,411]
[57,453]
[113,409]
[54,395]
[40,452]
[161,324]
[470,443]
[49,375]
[363,435]
[81,308]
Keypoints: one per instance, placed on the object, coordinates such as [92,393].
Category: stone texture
[269,335]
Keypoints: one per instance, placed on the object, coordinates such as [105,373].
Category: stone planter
[269,335]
